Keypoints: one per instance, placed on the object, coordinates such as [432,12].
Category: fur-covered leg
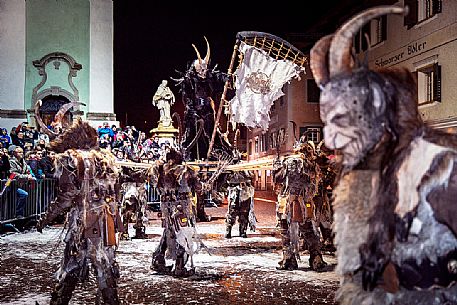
[289,261]
[158,257]
[316,262]
[64,290]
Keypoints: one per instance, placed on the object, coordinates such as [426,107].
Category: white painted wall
[12,55]
[101,57]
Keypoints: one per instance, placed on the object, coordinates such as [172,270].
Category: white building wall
[101,57]
[12,59]
[431,41]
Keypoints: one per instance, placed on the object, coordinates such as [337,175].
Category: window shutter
[384,28]
[411,19]
[437,83]
[436,6]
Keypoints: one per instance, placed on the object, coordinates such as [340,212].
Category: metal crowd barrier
[40,193]
[153,197]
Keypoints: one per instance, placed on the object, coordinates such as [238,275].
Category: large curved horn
[199,132]
[294,130]
[198,54]
[63,109]
[40,122]
[340,48]
[208,51]
[318,60]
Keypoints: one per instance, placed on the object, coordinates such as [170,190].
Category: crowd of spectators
[25,154]
[126,144]
[131,144]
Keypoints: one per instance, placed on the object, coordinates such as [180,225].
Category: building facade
[57,51]
[424,42]
[296,112]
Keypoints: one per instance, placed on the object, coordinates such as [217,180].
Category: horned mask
[201,65]
[352,101]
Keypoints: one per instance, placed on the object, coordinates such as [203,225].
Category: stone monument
[163,99]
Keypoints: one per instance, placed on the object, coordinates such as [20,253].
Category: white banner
[259,81]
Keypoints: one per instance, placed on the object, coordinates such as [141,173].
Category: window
[313,91]
[421,10]
[256,145]
[264,142]
[273,139]
[313,133]
[371,34]
[250,147]
[429,84]
[378,30]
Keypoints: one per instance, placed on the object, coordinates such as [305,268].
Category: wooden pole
[222,102]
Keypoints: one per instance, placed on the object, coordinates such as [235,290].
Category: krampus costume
[396,230]
[240,194]
[322,207]
[88,188]
[176,184]
[134,201]
[200,87]
[299,175]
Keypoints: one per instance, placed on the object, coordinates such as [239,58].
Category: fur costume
[395,224]
[240,203]
[133,200]
[176,184]
[88,188]
[201,87]
[299,176]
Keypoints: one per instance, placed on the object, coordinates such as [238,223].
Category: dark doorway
[51,105]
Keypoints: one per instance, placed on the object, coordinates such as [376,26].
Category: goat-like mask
[353,111]
[201,65]
[352,102]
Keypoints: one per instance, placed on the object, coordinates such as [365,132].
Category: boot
[243,228]
[316,262]
[228,232]
[158,264]
[140,232]
[63,291]
[180,270]
[110,297]
[288,264]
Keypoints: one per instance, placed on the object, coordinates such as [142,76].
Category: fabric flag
[259,82]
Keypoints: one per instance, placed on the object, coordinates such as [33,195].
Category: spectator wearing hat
[105,129]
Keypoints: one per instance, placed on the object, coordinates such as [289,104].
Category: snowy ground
[235,271]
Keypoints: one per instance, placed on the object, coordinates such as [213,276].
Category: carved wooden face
[353,111]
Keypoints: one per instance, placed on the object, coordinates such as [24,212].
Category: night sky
[152,39]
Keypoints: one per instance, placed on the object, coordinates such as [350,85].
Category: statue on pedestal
[163,99]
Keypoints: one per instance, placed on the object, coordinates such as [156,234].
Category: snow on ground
[229,271]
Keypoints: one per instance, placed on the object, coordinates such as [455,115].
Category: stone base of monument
[166,133]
